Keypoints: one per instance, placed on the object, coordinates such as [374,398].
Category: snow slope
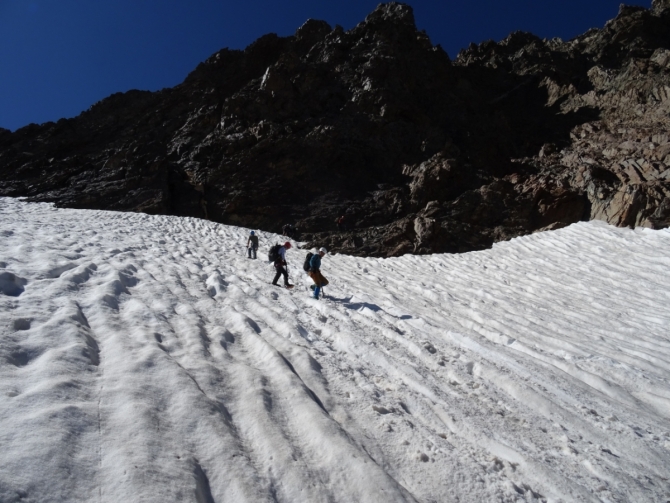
[145,358]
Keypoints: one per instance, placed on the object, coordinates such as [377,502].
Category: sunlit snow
[145,358]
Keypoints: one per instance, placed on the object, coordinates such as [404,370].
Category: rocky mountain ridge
[420,153]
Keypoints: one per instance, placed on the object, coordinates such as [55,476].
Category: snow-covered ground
[145,358]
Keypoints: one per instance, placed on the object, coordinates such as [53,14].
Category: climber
[289,231]
[252,244]
[315,272]
[280,263]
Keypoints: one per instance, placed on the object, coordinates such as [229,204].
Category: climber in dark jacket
[252,244]
[280,265]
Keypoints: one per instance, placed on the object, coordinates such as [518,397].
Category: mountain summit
[419,153]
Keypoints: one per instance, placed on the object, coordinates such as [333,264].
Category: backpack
[273,254]
[308,257]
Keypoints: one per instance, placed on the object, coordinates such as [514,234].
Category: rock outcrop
[420,153]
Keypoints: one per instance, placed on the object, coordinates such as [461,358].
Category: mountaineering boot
[317,290]
[312,287]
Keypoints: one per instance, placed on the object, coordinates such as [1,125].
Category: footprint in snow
[81,274]
[429,347]
[57,271]
[21,324]
[381,410]
[11,284]
[22,358]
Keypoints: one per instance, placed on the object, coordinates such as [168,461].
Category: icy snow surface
[145,358]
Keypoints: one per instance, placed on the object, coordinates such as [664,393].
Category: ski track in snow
[145,358]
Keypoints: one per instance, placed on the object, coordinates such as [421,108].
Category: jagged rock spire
[394,12]
[659,6]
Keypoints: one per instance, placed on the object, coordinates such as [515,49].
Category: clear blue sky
[58,57]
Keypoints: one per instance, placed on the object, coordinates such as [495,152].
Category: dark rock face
[420,153]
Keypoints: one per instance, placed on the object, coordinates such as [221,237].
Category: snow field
[145,358]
